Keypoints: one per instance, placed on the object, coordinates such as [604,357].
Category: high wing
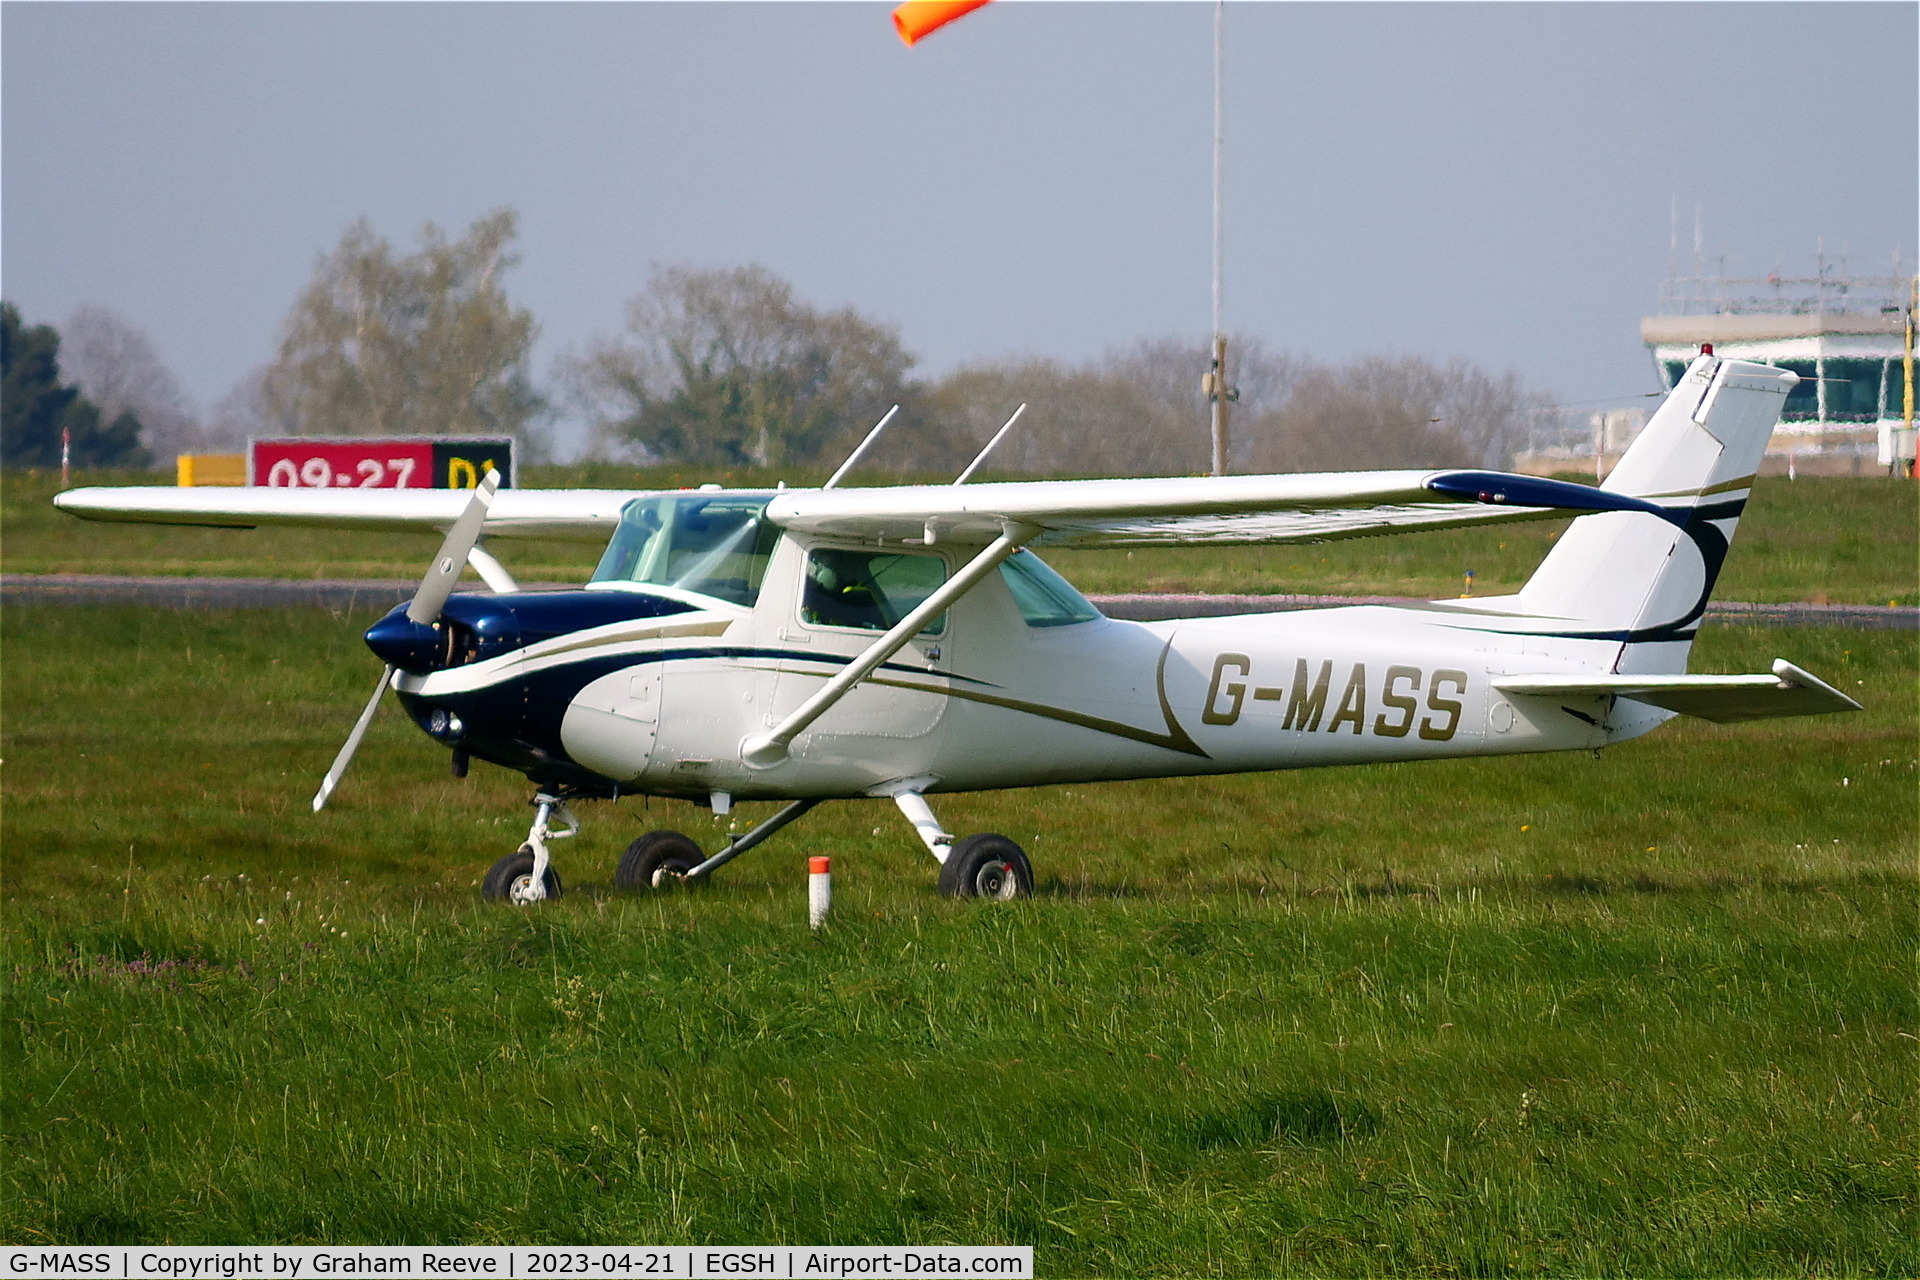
[586,515]
[1789,691]
[1188,511]
[1311,507]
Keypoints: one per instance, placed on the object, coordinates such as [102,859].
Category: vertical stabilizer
[1638,579]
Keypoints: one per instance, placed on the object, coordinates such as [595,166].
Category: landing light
[444,724]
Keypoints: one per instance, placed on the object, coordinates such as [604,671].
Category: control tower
[1848,337]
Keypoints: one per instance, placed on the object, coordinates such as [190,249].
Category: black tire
[986,866]
[507,880]
[655,861]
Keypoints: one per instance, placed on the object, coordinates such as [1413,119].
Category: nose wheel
[511,880]
[526,875]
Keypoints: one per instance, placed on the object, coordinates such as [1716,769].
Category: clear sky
[1488,181]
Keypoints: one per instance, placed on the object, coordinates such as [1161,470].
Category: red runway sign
[373,463]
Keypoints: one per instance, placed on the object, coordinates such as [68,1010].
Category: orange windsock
[918,18]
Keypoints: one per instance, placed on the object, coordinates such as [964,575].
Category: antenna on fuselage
[861,452]
[982,455]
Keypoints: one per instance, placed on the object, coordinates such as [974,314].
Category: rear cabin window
[1044,597]
[870,590]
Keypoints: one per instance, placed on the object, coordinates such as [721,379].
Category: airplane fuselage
[656,690]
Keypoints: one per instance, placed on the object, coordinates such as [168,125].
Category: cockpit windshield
[716,544]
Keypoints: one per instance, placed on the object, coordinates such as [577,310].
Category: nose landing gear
[526,876]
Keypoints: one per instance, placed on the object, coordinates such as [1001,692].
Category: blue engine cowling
[475,628]
[513,722]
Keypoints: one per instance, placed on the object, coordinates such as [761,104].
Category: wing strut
[770,748]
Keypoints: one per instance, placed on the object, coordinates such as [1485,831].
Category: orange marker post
[917,19]
[819,891]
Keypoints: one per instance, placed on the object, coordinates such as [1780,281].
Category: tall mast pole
[1906,370]
[1217,382]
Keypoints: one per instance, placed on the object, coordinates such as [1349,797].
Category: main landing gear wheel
[986,866]
[511,880]
[656,860]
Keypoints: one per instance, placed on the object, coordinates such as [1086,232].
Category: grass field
[1646,1014]
[1848,541]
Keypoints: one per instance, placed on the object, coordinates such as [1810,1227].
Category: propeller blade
[440,579]
[425,607]
[340,762]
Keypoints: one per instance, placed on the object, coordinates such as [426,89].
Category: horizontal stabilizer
[1789,691]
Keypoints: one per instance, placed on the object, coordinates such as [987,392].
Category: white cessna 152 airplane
[804,645]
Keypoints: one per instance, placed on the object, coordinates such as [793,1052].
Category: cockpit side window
[870,590]
[713,544]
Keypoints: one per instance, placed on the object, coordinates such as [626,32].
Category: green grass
[1848,541]
[1650,1013]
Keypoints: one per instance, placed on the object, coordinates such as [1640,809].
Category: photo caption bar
[514,1262]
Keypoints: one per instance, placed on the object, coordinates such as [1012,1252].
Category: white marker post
[819,891]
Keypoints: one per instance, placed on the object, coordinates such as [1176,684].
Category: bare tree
[1136,410]
[245,412]
[728,367]
[1080,419]
[388,343]
[114,364]
[1139,410]
[1392,411]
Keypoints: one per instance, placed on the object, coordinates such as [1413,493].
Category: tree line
[729,367]
[45,418]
